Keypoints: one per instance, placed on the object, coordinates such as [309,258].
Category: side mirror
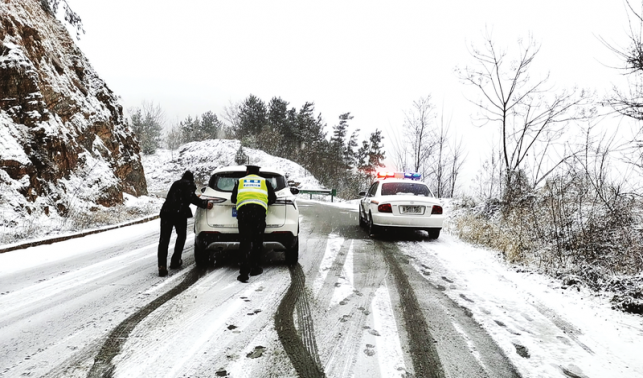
[294,190]
[361,194]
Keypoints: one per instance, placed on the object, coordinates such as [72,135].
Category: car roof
[242,168]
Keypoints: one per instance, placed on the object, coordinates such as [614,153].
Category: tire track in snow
[301,351]
[103,367]
[346,321]
[424,354]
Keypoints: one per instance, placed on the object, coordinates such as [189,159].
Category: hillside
[65,148]
[164,167]
[161,169]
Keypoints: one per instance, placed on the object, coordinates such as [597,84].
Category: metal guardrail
[331,192]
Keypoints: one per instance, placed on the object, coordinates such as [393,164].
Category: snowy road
[391,306]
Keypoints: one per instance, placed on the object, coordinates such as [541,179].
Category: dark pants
[181,226]
[252,223]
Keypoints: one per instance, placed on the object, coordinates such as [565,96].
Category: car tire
[292,253]
[362,222]
[434,233]
[201,255]
[372,229]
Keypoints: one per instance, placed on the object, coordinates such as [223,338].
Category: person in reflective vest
[252,194]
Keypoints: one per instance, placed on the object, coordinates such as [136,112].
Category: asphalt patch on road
[103,367]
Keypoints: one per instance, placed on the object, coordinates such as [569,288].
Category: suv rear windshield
[414,188]
[224,181]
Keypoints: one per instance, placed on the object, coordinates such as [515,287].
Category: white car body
[216,230]
[404,203]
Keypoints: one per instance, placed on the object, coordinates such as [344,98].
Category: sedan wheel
[372,229]
[362,222]
[434,233]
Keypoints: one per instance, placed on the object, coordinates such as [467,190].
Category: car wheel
[201,255]
[362,222]
[292,253]
[372,229]
[434,233]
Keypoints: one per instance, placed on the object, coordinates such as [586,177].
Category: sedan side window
[373,189]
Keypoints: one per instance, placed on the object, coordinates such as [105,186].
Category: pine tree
[188,129]
[211,127]
[240,157]
[376,153]
[253,116]
[146,123]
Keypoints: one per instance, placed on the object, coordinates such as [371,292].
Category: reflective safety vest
[252,189]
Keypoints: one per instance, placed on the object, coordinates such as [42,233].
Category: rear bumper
[418,222]
[219,242]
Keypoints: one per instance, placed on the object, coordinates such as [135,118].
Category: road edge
[56,239]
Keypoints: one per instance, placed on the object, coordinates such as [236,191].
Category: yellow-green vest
[252,189]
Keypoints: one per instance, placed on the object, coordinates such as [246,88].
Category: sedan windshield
[401,188]
[225,181]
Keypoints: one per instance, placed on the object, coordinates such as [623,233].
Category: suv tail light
[436,209]
[285,202]
[385,208]
[214,199]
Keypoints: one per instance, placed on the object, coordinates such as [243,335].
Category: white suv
[216,230]
[396,202]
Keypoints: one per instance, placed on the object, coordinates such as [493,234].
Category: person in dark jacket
[174,214]
[252,194]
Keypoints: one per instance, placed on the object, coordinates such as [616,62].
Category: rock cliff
[64,144]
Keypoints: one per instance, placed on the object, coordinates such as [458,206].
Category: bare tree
[418,133]
[231,118]
[439,170]
[630,103]
[527,111]
[173,138]
[457,161]
[398,150]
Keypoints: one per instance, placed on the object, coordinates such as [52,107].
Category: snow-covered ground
[547,330]
[560,331]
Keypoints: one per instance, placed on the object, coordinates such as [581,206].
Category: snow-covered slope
[164,167]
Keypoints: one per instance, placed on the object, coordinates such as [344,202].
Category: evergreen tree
[253,116]
[211,127]
[189,129]
[240,157]
[350,154]
[338,141]
[146,124]
[376,153]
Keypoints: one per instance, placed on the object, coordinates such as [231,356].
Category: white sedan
[397,203]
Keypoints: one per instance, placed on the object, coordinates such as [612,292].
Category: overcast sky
[370,58]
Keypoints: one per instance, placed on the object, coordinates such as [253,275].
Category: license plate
[234,212]
[412,209]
